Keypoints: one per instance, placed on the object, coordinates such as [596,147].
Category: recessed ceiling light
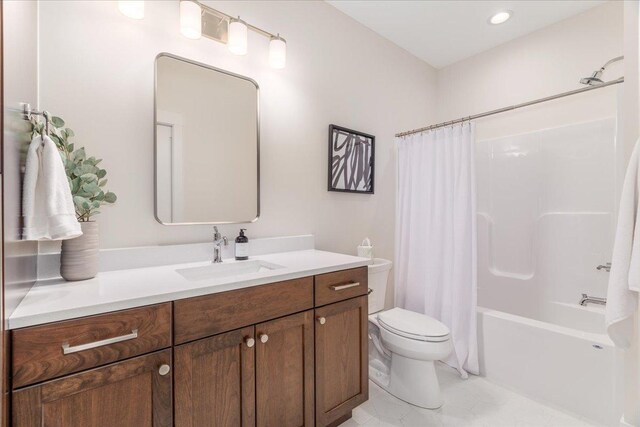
[500,17]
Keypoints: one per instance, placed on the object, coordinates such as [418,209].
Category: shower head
[596,77]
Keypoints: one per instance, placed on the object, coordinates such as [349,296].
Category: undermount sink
[217,271]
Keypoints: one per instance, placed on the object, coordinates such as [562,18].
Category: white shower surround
[546,215]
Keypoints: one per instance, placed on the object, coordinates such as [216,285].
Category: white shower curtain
[436,255]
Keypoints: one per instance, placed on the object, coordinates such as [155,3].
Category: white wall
[97,73]
[546,62]
[20,68]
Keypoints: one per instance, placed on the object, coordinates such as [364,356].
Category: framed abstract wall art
[351,160]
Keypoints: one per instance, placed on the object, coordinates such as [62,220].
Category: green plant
[86,179]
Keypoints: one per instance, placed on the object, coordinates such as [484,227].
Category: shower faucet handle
[606,267]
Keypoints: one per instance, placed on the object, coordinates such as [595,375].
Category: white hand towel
[47,204]
[624,282]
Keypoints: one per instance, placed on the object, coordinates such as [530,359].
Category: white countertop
[55,299]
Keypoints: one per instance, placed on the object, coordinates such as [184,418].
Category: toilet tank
[378,278]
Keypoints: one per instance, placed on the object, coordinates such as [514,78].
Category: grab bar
[586,299]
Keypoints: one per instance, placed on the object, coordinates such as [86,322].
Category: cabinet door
[214,380]
[341,359]
[135,392]
[284,372]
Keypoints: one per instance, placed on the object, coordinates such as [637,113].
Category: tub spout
[586,299]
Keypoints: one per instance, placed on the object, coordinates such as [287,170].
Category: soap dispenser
[242,246]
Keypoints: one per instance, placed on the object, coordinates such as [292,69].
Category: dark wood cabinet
[135,392]
[285,354]
[213,314]
[284,372]
[48,351]
[254,376]
[340,285]
[215,381]
[341,359]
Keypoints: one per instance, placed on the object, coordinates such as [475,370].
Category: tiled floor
[475,402]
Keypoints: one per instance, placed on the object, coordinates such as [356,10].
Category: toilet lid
[413,325]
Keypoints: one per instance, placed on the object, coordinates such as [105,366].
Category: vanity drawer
[213,314]
[341,285]
[43,352]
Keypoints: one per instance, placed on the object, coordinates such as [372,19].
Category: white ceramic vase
[79,256]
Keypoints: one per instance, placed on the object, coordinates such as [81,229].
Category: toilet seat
[412,325]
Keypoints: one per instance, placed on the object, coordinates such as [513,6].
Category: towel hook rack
[28,112]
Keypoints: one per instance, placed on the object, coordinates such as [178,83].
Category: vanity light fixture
[237,39]
[500,17]
[197,20]
[132,8]
[233,32]
[190,19]
[277,52]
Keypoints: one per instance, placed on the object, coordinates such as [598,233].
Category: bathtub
[563,359]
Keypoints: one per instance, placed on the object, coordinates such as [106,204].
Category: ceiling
[444,32]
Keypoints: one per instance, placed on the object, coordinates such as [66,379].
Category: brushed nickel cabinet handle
[67,349]
[263,338]
[164,369]
[322,320]
[250,342]
[347,286]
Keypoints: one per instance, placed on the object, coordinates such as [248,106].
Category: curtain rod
[512,107]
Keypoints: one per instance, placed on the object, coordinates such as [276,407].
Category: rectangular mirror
[207,165]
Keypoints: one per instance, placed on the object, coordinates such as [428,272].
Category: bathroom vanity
[247,349]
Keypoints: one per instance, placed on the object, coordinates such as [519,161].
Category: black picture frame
[355,148]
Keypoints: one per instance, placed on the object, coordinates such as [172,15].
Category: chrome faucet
[586,299]
[218,240]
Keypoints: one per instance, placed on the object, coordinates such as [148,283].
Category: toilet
[403,346]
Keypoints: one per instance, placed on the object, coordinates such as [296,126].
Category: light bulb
[277,52]
[190,19]
[131,8]
[237,41]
